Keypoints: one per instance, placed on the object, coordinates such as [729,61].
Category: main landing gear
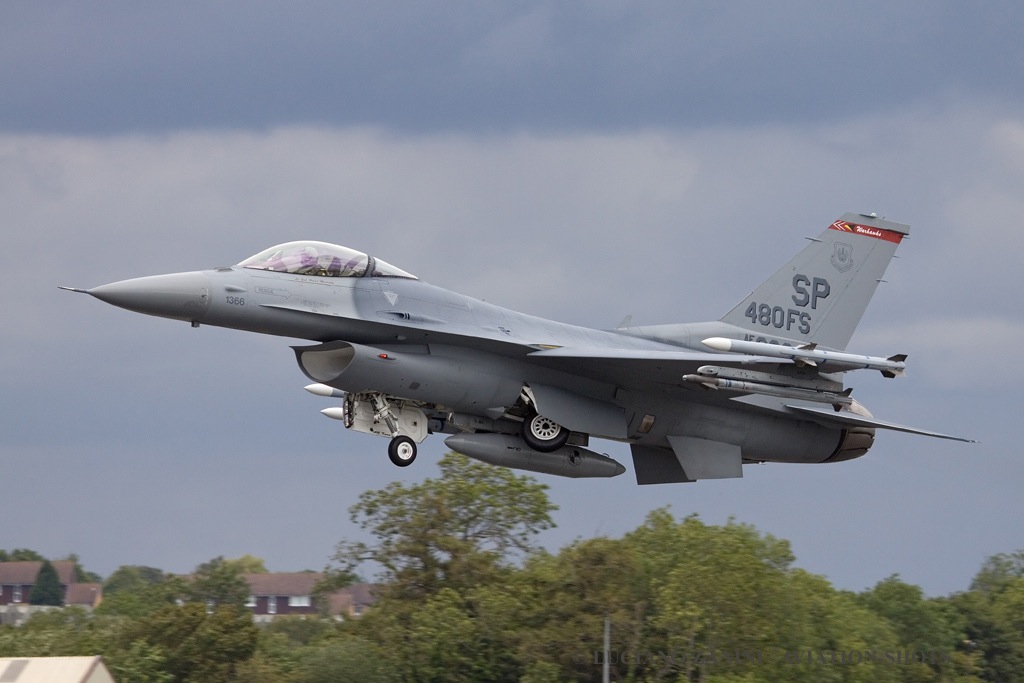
[543,434]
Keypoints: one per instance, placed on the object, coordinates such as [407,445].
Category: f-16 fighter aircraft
[693,400]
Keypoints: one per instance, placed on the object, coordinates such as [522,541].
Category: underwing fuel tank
[511,451]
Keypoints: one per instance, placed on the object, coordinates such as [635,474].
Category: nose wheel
[402,451]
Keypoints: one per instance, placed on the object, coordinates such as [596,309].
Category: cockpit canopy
[322,259]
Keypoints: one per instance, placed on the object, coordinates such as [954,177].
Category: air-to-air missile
[893,366]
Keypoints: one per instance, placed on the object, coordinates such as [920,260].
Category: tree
[82,576]
[20,555]
[921,624]
[197,645]
[219,582]
[131,577]
[998,571]
[556,607]
[137,591]
[141,662]
[248,564]
[448,549]
[47,589]
[343,660]
[992,622]
[448,532]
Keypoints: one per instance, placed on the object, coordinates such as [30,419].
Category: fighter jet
[765,383]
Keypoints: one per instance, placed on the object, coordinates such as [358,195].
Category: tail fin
[821,294]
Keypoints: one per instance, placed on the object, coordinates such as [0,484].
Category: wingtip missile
[718,343]
[893,366]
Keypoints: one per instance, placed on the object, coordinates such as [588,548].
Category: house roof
[54,670]
[283,583]
[362,593]
[25,573]
[344,599]
[87,594]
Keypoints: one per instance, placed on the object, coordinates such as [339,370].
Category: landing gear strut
[402,421]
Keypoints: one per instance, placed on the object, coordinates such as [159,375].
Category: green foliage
[448,548]
[20,555]
[248,564]
[219,582]
[141,662]
[920,624]
[711,583]
[47,589]
[993,625]
[343,660]
[565,598]
[131,578]
[300,631]
[447,532]
[81,575]
[139,591]
[998,571]
[198,645]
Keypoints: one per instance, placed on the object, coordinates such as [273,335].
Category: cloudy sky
[576,160]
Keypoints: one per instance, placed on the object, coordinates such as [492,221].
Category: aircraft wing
[633,368]
[847,419]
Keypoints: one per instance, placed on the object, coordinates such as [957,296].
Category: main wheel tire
[402,451]
[544,434]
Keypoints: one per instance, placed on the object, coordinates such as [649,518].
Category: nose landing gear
[402,451]
[383,415]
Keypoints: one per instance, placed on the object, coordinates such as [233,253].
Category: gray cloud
[110,67]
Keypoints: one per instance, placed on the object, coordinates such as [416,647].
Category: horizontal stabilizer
[846,419]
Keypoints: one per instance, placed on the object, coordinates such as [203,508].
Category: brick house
[351,601]
[18,578]
[291,593]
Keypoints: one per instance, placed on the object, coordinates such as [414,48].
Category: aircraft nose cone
[181,296]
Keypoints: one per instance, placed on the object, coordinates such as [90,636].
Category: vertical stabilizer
[821,294]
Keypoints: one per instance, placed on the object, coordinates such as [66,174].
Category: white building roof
[53,670]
